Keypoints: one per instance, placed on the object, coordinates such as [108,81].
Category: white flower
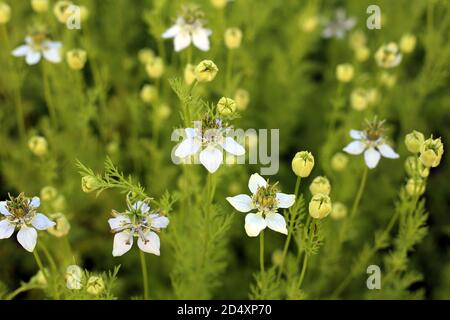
[138,222]
[339,27]
[74,275]
[211,140]
[185,31]
[21,213]
[37,46]
[373,146]
[265,200]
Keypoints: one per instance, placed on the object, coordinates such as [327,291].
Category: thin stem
[39,263]
[48,256]
[362,186]
[302,274]
[229,72]
[48,95]
[144,274]
[261,251]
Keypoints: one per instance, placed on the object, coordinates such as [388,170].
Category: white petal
[355,147]
[123,242]
[53,44]
[200,39]
[142,206]
[357,135]
[33,57]
[35,202]
[52,55]
[372,157]
[182,40]
[231,146]
[160,222]
[241,202]
[387,152]
[21,51]
[27,237]
[41,222]
[118,222]
[6,229]
[285,200]
[211,158]
[254,224]
[276,222]
[256,181]
[3,209]
[171,32]
[187,147]
[191,132]
[151,243]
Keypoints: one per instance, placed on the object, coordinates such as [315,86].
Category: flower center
[265,199]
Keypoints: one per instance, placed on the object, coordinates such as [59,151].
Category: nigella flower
[266,200]
[36,46]
[212,138]
[189,27]
[138,221]
[372,142]
[339,27]
[20,212]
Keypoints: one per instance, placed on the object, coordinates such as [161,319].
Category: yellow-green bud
[39,5]
[189,74]
[5,13]
[89,184]
[62,226]
[242,98]
[277,258]
[73,276]
[76,59]
[95,285]
[320,206]
[219,4]
[84,13]
[339,161]
[48,193]
[145,56]
[163,111]
[415,186]
[345,72]
[414,167]
[60,9]
[302,164]
[38,145]
[320,185]
[357,40]
[431,152]
[414,141]
[388,80]
[309,24]
[149,93]
[226,106]
[362,54]
[155,68]
[408,43]
[339,211]
[233,38]
[358,99]
[388,56]
[206,71]
[373,96]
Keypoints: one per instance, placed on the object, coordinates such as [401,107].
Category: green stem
[144,274]
[362,186]
[261,251]
[39,263]
[229,72]
[302,274]
[48,256]
[48,95]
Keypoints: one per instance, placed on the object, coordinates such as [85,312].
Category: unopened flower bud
[362,54]
[219,4]
[89,184]
[388,56]
[149,93]
[74,275]
[414,141]
[61,10]
[48,193]
[62,226]
[339,211]
[233,38]
[206,71]
[302,164]
[431,152]
[357,39]
[309,24]
[84,13]
[5,13]
[414,167]
[408,43]
[145,56]
[415,186]
[388,80]
[277,258]
[242,98]
[320,206]
[345,72]
[95,285]
[163,111]
[38,145]
[226,106]
[39,5]
[358,99]
[339,161]
[155,68]
[320,185]
[189,74]
[76,59]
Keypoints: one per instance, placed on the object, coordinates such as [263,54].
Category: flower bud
[206,71]
[277,258]
[362,54]
[339,211]
[219,4]
[5,13]
[415,186]
[373,96]
[163,111]
[414,167]
[388,56]
[388,80]
[414,141]
[408,43]
[76,59]
[39,5]
[431,152]
[303,163]
[145,56]
[74,275]
[62,226]
[61,10]
[242,98]
[345,72]
[48,193]
[38,145]
[112,147]
[149,93]
[95,285]
[358,99]
[155,68]
[226,106]
[189,74]
[233,38]
[320,185]
[357,40]
[309,24]
[89,184]
[84,13]
[339,161]
[320,206]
